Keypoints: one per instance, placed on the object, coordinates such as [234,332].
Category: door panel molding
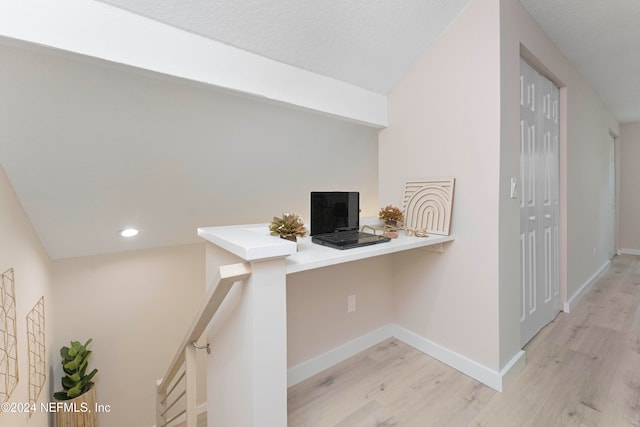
[540,202]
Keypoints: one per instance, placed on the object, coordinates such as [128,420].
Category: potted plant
[78,391]
[289,226]
[391,215]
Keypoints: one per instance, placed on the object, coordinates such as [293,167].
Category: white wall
[265,159]
[317,317]
[444,121]
[457,114]
[584,155]
[452,116]
[21,250]
[137,307]
[145,145]
[629,236]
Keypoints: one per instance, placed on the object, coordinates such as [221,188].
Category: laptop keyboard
[345,236]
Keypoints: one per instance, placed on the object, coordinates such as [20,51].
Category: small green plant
[75,360]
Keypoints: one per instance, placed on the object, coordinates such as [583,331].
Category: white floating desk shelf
[253,243]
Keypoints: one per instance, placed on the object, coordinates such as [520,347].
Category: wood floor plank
[528,395]
[294,421]
[583,369]
[371,414]
[625,409]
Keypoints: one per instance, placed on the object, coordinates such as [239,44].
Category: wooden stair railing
[177,389]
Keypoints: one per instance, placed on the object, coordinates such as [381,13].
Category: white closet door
[539,204]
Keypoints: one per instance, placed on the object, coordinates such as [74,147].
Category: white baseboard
[494,379]
[577,296]
[326,360]
[627,251]
[510,371]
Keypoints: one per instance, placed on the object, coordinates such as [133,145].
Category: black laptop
[335,220]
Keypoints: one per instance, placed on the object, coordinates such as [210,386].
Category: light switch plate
[351,303]
[514,188]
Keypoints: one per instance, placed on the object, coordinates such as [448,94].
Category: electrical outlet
[351,303]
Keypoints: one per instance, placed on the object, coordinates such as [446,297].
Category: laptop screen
[334,211]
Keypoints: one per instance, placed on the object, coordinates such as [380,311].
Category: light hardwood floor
[583,369]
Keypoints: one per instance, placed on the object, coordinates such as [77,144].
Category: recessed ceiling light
[129,232]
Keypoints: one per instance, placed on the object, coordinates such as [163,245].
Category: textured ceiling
[369,43]
[372,43]
[601,38]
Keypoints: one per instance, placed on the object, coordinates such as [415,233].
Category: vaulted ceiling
[370,43]
[367,43]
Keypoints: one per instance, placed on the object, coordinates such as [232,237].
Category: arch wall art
[428,205]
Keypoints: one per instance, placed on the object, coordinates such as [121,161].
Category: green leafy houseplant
[75,360]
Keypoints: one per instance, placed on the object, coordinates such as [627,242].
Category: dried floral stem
[290,224]
[390,213]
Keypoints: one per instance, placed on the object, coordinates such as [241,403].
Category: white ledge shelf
[250,242]
[253,243]
[311,255]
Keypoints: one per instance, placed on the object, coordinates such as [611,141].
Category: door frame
[563,245]
[616,190]
[539,66]
[560,219]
